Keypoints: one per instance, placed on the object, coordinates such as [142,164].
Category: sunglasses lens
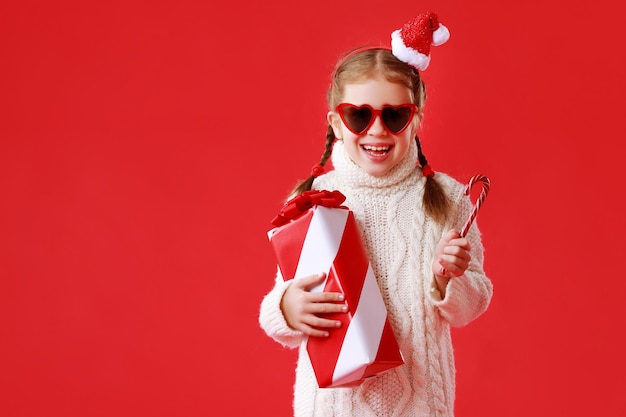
[357,118]
[396,118]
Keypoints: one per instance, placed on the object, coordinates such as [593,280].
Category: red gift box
[316,234]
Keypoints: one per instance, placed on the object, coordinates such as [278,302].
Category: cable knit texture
[400,240]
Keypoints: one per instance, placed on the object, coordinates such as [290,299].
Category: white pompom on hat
[411,44]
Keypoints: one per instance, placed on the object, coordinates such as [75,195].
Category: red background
[145,145]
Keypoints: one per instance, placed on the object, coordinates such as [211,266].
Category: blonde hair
[363,63]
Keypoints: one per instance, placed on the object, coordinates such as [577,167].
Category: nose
[377,128]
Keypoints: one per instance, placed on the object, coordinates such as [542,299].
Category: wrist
[440,283]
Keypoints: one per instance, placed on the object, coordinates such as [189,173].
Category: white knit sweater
[400,240]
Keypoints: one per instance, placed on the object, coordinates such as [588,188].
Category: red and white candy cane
[479,202]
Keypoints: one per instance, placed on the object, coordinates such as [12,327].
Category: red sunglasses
[360,118]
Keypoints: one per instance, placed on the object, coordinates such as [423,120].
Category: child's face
[376,150]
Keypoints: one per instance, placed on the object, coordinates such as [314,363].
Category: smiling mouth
[376,150]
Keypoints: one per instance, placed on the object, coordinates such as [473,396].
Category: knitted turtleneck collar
[355,176]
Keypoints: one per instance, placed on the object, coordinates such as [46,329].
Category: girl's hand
[302,308]
[452,258]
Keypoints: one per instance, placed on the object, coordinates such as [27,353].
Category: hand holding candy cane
[452,255]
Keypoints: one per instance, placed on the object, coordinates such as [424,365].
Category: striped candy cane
[479,202]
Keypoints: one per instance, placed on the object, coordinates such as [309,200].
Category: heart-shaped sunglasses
[359,118]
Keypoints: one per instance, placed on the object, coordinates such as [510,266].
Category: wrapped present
[314,234]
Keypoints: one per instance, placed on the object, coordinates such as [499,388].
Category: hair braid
[420,155]
[328,146]
[328,149]
[435,201]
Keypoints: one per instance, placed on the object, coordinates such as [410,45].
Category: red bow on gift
[301,203]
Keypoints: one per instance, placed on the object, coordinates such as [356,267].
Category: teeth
[376,148]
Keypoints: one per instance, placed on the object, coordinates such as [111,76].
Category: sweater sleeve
[271,317]
[469,295]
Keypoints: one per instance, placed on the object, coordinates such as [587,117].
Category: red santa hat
[411,44]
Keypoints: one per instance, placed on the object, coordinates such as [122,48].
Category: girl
[430,277]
